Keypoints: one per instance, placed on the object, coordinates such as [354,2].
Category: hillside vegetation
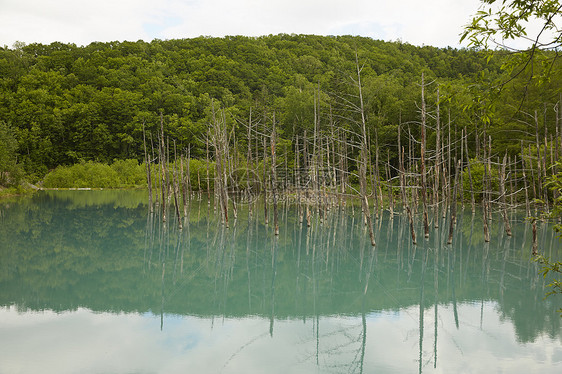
[61,104]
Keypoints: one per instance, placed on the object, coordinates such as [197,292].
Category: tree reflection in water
[102,251]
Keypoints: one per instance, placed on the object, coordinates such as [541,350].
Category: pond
[90,282]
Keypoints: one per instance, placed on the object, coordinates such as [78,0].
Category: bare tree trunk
[403,179]
[545,190]
[220,141]
[377,185]
[265,212]
[314,166]
[502,193]
[489,179]
[472,199]
[175,188]
[422,162]
[454,204]
[437,166]
[364,160]
[306,167]
[334,152]
[183,186]
[148,171]
[404,194]
[527,204]
[539,162]
[163,167]
[298,179]
[461,169]
[558,126]
[208,177]
[412,167]
[401,171]
[188,180]
[274,179]
[512,176]
[553,164]
[411,221]
[533,180]
[448,166]
[389,184]
[535,250]
[156,181]
[343,168]
[485,200]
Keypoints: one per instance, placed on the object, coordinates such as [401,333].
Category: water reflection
[116,283]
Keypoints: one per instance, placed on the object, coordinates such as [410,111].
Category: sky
[429,22]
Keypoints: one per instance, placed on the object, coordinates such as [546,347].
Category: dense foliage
[66,104]
[10,172]
[122,173]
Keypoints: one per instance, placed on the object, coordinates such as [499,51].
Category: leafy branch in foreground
[550,267]
[554,268]
[501,21]
[554,183]
[502,27]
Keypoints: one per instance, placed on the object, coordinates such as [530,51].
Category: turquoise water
[90,282]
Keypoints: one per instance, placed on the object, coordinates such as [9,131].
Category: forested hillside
[62,104]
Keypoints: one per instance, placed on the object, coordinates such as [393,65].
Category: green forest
[62,104]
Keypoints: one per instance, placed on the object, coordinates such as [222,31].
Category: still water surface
[91,283]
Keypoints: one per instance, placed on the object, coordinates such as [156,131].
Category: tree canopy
[66,104]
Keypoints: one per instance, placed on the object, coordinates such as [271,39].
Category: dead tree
[364,156]
[175,188]
[220,142]
[502,194]
[454,204]
[437,165]
[472,199]
[422,161]
[162,152]
[485,203]
[274,179]
[148,171]
[525,187]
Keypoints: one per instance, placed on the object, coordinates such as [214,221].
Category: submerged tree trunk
[411,221]
[364,160]
[485,205]
[535,250]
[454,203]
[274,180]
[265,212]
[502,194]
[175,189]
[472,199]
[163,167]
[526,188]
[148,171]
[422,162]
[220,142]
[437,166]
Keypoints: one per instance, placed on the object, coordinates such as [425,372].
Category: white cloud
[433,22]
[80,22]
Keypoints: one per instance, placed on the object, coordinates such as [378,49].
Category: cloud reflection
[83,341]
